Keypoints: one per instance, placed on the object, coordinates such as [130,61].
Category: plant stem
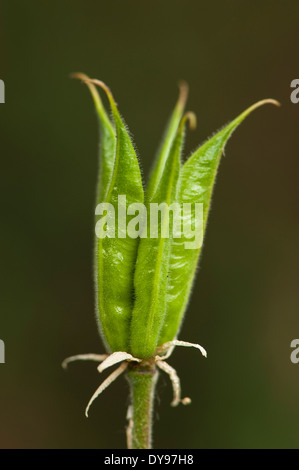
[142,381]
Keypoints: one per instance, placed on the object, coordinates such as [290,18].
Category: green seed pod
[145,307]
[144,277]
[152,266]
[197,181]
[116,254]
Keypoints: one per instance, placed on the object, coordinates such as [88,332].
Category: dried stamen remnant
[146,366]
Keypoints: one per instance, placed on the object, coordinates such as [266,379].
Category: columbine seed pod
[115,256]
[143,281]
[197,179]
[154,254]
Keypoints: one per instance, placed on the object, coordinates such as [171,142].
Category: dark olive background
[244,307]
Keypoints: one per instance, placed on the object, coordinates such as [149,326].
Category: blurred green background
[244,307]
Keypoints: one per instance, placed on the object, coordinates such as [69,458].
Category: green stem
[142,381]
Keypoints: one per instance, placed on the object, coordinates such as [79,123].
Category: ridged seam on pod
[153,258]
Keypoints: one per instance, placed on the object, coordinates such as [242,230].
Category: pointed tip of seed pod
[183,93]
[85,79]
[261,103]
[113,105]
[252,108]
[101,84]
[271,101]
[79,76]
